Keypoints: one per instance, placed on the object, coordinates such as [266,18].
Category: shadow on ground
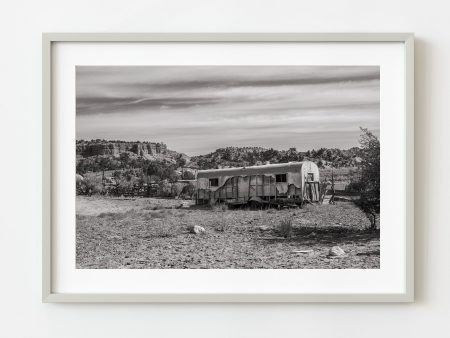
[311,236]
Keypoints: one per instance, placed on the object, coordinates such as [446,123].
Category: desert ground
[152,233]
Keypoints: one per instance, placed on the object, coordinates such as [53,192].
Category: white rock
[301,251]
[196,229]
[336,251]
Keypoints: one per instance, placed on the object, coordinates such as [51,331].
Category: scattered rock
[302,251]
[336,252]
[196,229]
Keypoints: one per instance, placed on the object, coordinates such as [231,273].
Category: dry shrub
[219,207]
[107,214]
[221,225]
[222,222]
[165,189]
[90,186]
[157,214]
[151,207]
[162,230]
[221,210]
[285,228]
[188,191]
[176,189]
[118,215]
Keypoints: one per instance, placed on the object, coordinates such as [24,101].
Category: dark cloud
[271,82]
[226,82]
[92,105]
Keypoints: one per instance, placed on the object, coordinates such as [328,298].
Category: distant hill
[97,155]
[247,156]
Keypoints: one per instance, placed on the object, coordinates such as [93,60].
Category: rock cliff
[115,148]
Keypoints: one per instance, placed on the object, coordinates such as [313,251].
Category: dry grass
[222,217]
[285,228]
[95,205]
[126,233]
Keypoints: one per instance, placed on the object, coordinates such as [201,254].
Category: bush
[219,207]
[285,228]
[157,214]
[162,230]
[370,176]
[355,186]
[188,191]
[176,189]
[165,189]
[90,186]
[118,216]
[222,224]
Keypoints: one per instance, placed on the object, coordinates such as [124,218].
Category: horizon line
[224,147]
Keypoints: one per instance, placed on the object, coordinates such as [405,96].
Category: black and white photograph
[228,167]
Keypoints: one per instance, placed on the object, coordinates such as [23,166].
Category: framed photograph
[228,167]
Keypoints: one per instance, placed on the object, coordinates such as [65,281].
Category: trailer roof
[277,168]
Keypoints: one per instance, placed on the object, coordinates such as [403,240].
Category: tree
[188,175]
[181,162]
[370,176]
[168,173]
[104,165]
[124,158]
[153,169]
[117,175]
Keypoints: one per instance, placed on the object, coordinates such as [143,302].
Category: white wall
[23,315]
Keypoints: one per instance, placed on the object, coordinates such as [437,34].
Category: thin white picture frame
[48,293]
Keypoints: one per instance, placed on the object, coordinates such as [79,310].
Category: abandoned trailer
[293,182]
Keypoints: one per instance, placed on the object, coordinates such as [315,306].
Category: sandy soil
[152,233]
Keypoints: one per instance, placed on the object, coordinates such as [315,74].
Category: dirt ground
[150,233]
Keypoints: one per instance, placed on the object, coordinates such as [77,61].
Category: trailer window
[213,182]
[310,177]
[280,178]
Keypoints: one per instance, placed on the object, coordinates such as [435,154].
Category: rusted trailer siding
[296,181]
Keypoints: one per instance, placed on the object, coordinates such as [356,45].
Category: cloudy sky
[197,109]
